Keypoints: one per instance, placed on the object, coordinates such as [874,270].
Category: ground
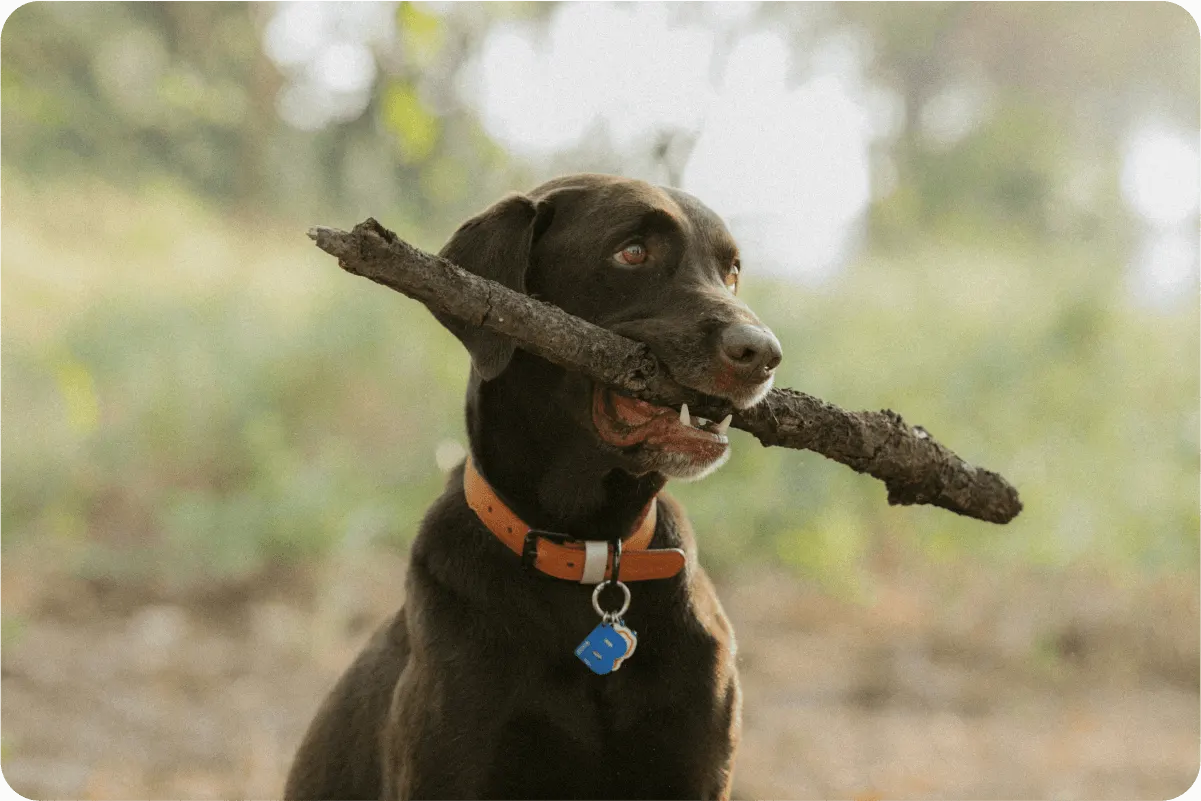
[977,685]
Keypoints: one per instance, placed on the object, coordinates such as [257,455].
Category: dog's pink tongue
[625,421]
[634,412]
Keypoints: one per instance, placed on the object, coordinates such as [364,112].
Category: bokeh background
[217,446]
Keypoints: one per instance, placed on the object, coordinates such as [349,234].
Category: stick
[914,467]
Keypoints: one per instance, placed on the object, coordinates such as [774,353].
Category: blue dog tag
[607,647]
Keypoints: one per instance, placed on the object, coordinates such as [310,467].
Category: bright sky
[1160,178]
[785,163]
[324,49]
[781,149]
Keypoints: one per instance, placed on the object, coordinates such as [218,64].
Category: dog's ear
[493,244]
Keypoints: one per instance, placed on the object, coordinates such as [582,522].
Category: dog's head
[650,263]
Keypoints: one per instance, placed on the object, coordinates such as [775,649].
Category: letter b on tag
[606,648]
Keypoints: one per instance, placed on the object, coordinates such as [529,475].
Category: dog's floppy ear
[493,244]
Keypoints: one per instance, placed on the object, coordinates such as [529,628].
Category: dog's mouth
[625,422]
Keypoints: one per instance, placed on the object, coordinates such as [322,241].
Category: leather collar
[562,557]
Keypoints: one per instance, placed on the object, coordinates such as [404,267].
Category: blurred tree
[137,90]
[997,97]
[1002,106]
[989,305]
[141,90]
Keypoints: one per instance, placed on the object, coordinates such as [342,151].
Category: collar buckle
[529,548]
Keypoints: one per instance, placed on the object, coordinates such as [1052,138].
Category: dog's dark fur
[473,689]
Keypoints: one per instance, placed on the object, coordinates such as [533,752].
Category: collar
[559,556]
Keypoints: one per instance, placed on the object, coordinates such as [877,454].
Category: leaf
[421,34]
[415,128]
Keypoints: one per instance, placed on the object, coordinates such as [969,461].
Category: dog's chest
[604,736]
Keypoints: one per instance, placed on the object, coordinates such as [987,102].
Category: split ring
[625,604]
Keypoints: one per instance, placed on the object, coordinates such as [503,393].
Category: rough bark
[914,467]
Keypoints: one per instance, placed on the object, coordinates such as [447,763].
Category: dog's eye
[632,254]
[732,277]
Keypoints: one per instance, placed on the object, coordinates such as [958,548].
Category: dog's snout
[751,350]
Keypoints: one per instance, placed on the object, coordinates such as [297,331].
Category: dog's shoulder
[339,756]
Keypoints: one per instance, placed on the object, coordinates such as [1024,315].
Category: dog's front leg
[429,751]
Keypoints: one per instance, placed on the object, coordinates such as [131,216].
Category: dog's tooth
[684,414]
[699,422]
[724,425]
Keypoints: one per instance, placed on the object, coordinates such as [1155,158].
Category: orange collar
[585,561]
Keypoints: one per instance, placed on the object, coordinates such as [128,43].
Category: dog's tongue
[624,421]
[633,412]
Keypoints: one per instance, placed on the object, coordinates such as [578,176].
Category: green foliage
[415,128]
[422,35]
[181,456]
[175,424]
[1034,365]
[133,91]
[131,88]
[12,630]
[213,430]
[194,393]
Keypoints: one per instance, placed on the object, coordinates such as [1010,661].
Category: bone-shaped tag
[627,634]
[607,647]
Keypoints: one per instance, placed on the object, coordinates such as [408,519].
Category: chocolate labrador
[559,639]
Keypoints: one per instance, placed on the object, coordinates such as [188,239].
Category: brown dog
[474,689]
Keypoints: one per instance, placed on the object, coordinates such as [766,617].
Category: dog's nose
[753,351]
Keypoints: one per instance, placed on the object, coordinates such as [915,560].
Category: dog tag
[612,641]
[631,638]
[606,647]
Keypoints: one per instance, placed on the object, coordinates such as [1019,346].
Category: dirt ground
[936,684]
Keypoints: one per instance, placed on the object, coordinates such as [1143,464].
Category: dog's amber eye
[632,254]
[732,277]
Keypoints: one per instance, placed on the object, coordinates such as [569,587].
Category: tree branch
[914,467]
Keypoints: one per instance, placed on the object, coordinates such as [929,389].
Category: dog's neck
[530,441]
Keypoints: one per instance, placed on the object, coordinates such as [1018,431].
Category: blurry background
[217,446]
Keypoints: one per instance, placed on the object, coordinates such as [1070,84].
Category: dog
[474,689]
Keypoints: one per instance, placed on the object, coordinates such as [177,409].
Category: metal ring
[596,600]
